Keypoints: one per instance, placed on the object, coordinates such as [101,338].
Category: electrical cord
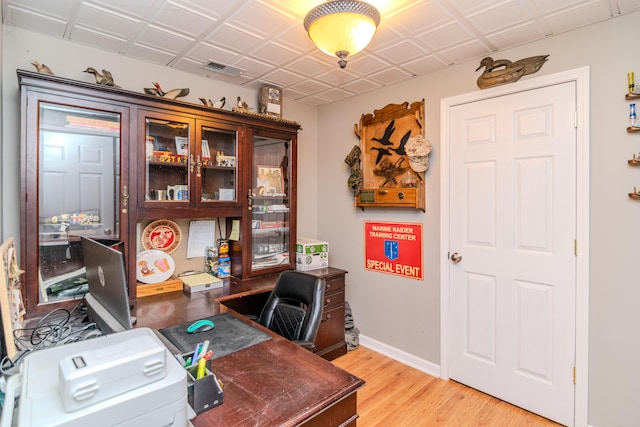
[57,327]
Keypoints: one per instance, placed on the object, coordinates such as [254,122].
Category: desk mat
[229,334]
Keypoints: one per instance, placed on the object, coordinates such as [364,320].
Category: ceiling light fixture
[342,27]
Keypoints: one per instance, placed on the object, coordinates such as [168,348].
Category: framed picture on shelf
[270,179]
[182,146]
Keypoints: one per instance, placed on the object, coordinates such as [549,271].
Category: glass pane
[219,176]
[270,224]
[166,172]
[79,184]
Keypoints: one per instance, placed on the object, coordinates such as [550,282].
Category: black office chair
[294,308]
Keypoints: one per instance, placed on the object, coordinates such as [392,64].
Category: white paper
[201,235]
[235,230]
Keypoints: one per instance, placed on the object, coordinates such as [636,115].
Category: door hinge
[575,247]
[575,374]
[575,119]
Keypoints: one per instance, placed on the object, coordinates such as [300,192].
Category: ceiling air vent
[221,68]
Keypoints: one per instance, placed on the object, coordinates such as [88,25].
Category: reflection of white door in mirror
[77,197]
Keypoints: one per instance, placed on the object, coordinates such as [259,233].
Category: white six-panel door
[512,225]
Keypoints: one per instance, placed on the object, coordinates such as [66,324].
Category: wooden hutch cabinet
[97,160]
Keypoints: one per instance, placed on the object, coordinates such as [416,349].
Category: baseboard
[401,356]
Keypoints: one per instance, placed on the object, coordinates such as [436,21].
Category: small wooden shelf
[634,162]
[632,129]
[630,96]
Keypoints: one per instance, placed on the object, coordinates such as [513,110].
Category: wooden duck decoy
[242,105]
[220,103]
[104,78]
[501,76]
[531,64]
[171,94]
[42,68]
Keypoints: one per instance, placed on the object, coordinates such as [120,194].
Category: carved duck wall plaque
[503,71]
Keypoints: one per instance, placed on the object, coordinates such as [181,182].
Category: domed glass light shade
[342,27]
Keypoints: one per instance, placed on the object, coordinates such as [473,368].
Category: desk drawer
[333,299]
[331,331]
[334,285]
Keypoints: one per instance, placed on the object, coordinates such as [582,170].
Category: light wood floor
[398,395]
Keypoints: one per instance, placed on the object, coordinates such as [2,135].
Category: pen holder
[203,393]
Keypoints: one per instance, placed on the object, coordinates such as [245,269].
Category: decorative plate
[163,235]
[154,266]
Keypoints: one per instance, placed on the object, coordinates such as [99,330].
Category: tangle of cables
[59,326]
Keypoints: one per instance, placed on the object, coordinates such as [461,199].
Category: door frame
[581,78]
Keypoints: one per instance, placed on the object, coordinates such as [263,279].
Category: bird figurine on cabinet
[42,68]
[206,102]
[171,94]
[242,105]
[105,78]
[220,103]
[505,71]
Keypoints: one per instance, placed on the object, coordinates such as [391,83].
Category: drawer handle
[328,317]
[328,286]
[328,302]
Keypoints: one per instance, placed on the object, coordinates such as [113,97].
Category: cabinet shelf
[268,231]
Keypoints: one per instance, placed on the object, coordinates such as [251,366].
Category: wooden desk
[273,383]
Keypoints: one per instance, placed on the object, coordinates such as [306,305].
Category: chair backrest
[294,307]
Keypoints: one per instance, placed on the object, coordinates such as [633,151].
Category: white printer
[123,379]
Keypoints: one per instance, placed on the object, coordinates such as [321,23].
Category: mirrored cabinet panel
[79,175]
[272,214]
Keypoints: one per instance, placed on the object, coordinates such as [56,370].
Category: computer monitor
[107,299]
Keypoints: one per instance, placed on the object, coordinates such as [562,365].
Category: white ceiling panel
[493,19]
[517,35]
[266,40]
[98,39]
[91,16]
[182,20]
[150,54]
[24,18]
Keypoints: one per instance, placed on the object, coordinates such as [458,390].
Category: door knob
[456,257]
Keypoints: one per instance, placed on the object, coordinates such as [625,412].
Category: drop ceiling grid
[267,41]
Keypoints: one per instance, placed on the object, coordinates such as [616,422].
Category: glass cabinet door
[78,193]
[216,164]
[271,204]
[168,160]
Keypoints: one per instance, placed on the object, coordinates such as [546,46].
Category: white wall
[404,313]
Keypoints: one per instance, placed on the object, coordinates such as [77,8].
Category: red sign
[393,248]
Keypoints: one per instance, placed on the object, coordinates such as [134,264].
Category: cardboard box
[311,254]
[200,282]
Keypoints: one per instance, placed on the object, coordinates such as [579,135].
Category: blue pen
[194,358]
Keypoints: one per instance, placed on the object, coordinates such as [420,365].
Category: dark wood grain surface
[274,383]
